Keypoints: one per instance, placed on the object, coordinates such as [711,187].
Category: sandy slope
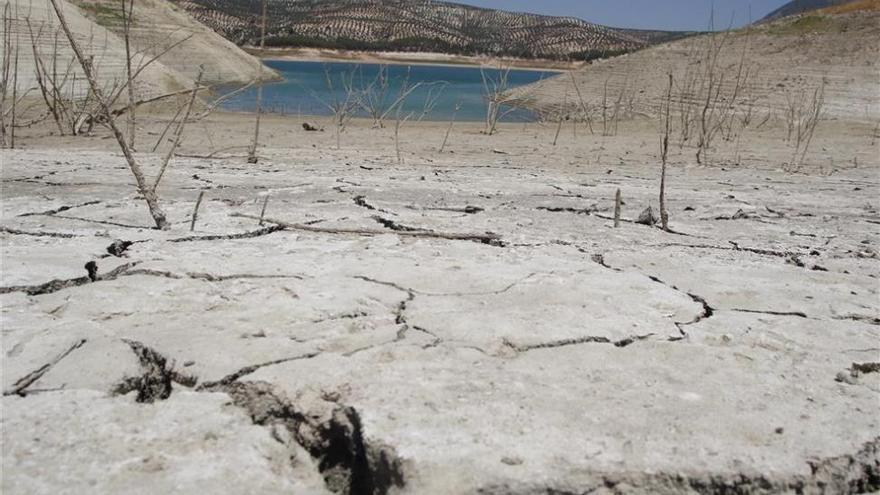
[158,21]
[158,26]
[784,55]
[104,46]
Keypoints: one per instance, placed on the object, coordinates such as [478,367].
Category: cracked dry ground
[562,356]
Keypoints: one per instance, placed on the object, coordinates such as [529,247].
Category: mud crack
[247,370]
[870,320]
[362,202]
[227,237]
[59,209]
[624,342]
[155,382]
[20,385]
[58,284]
[707,310]
[797,314]
[349,463]
[397,227]
[38,233]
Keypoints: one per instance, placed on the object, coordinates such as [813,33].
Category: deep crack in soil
[349,463]
[157,376]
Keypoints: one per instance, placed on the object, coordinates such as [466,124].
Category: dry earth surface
[737,355]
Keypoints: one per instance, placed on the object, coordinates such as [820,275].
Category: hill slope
[158,25]
[795,7]
[158,29]
[422,25]
[102,44]
[782,58]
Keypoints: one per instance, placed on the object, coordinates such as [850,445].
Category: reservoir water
[433,91]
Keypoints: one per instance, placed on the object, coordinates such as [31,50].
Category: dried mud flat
[736,356]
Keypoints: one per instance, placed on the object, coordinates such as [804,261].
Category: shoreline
[408,58]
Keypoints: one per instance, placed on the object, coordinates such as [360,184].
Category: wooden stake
[617,203]
[195,215]
[252,155]
[263,213]
[449,129]
[664,214]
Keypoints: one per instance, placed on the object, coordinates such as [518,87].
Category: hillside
[158,25]
[106,48]
[781,59]
[425,25]
[795,7]
[159,28]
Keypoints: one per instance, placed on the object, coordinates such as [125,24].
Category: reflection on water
[419,92]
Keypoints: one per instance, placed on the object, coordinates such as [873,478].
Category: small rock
[779,431]
[331,396]
[309,127]
[739,215]
[846,377]
[119,247]
[512,461]
[794,260]
[92,269]
[647,217]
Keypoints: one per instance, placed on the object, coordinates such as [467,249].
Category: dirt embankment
[780,59]
[158,23]
[158,30]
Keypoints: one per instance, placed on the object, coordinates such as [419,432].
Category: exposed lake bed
[617,350]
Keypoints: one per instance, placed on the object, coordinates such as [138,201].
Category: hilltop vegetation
[795,7]
[417,26]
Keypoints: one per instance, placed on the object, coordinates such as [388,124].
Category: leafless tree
[375,96]
[127,18]
[804,110]
[178,133]
[252,154]
[718,96]
[343,100]
[57,80]
[402,116]
[401,119]
[432,97]
[145,190]
[449,129]
[560,119]
[494,92]
[612,112]
[664,155]
[8,80]
[584,108]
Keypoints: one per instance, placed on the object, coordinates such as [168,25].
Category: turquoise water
[312,88]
